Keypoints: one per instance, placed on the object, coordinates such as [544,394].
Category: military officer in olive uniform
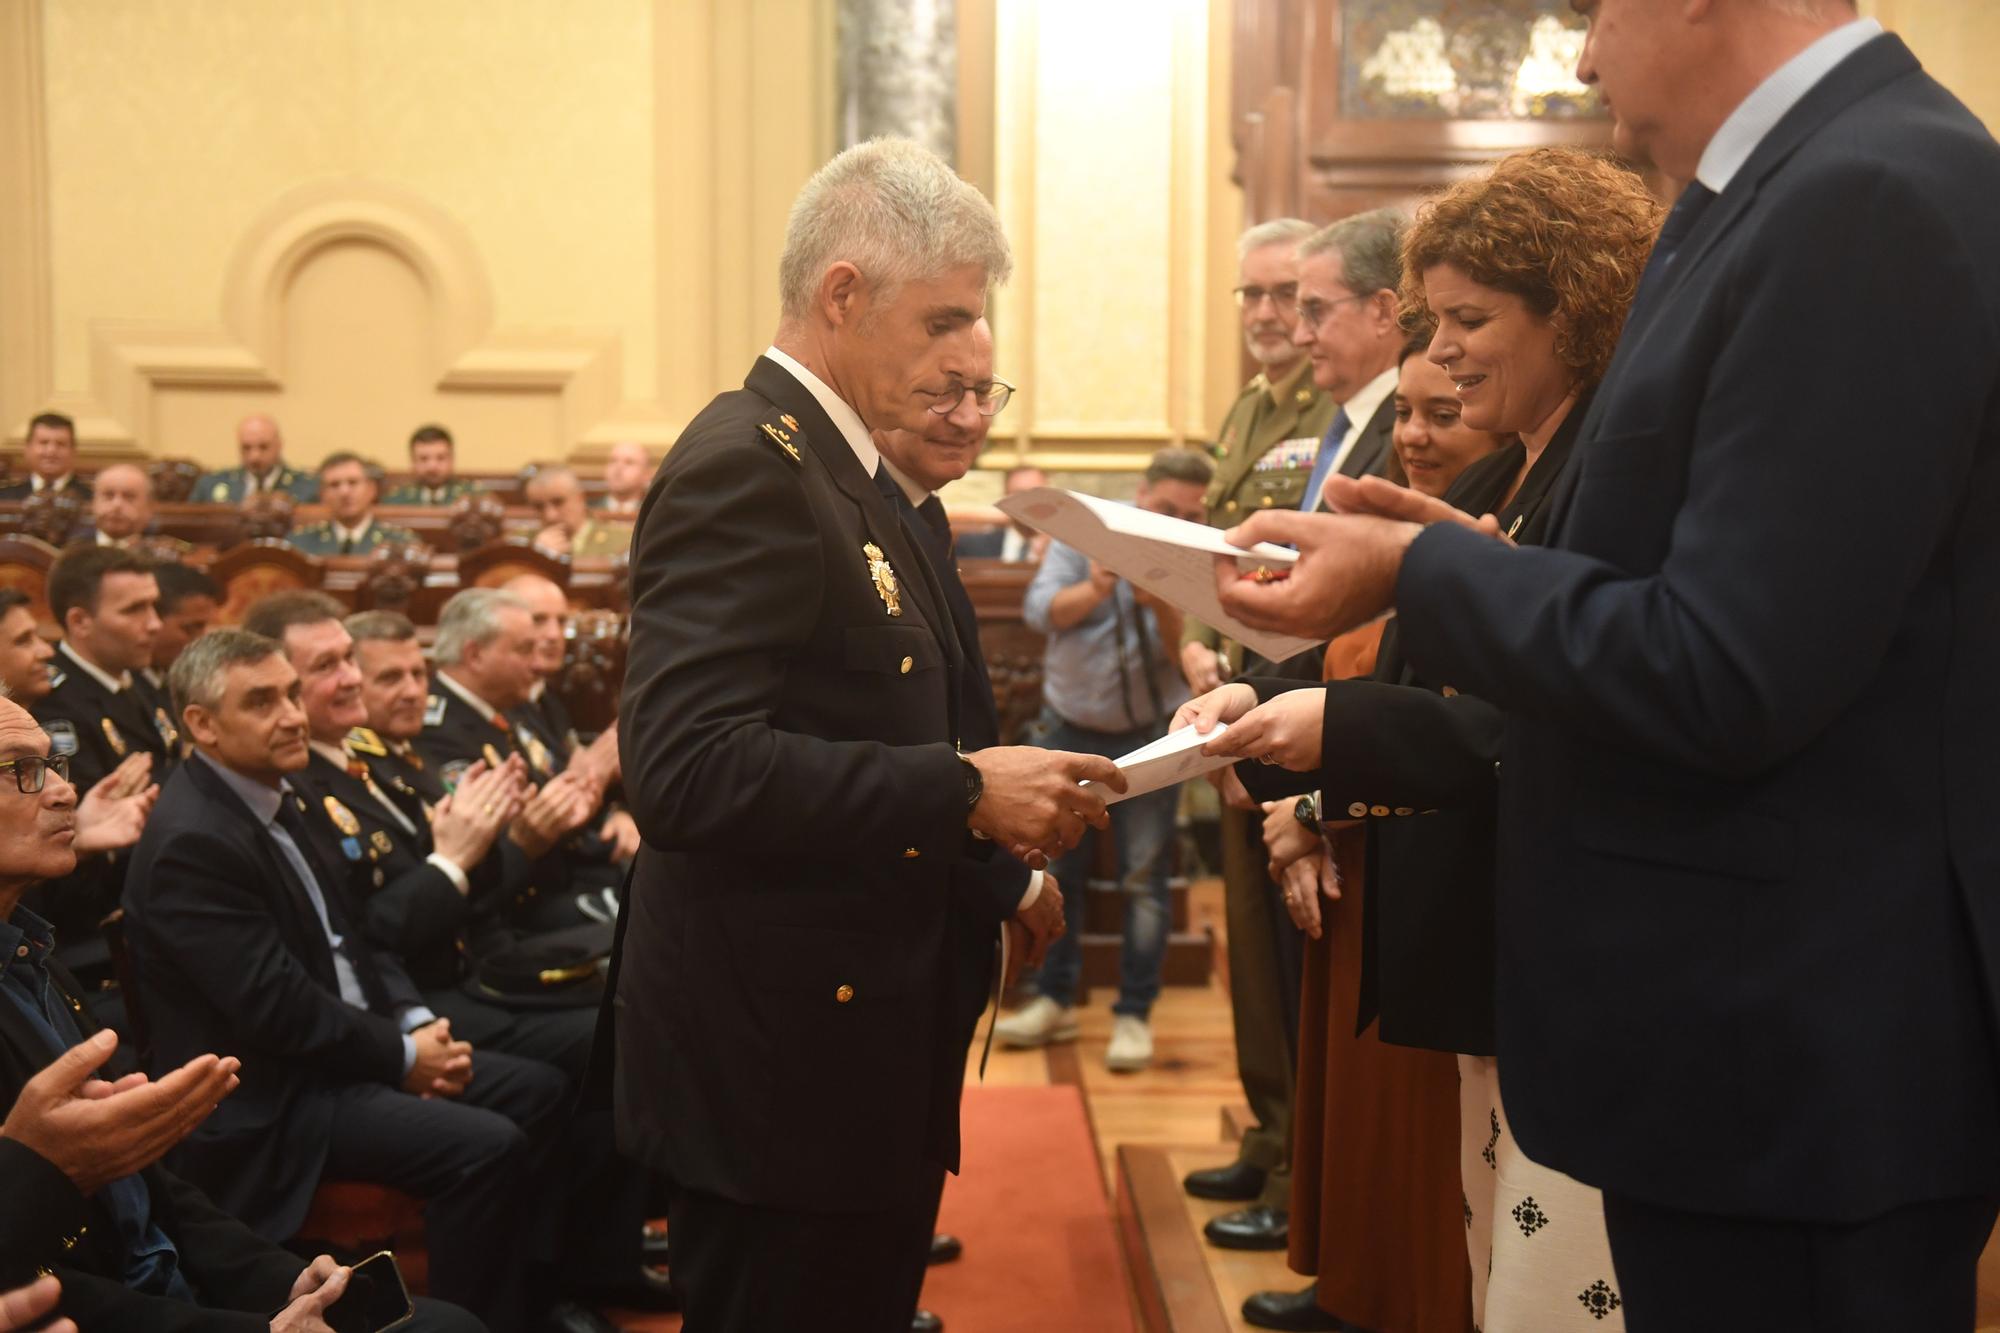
[1339,320]
[261,448]
[432,457]
[348,487]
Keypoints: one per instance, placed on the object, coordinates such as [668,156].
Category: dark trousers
[479,1163]
[737,1267]
[1913,1270]
[1265,970]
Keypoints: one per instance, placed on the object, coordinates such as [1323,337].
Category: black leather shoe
[926,1322]
[1258,1228]
[1239,1182]
[570,1317]
[1290,1310]
[944,1249]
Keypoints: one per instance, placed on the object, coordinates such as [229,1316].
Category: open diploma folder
[1168,557]
[1174,758]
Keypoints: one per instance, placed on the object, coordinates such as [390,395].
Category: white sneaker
[1131,1046]
[1036,1023]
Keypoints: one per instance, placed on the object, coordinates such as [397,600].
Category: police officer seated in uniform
[485,654]
[132,1244]
[432,458]
[347,487]
[246,940]
[546,717]
[568,527]
[50,451]
[100,714]
[261,447]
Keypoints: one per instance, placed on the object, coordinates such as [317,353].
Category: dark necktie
[347,546]
[1680,224]
[353,950]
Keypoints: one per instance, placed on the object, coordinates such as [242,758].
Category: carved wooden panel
[24,565]
[258,569]
[1343,105]
[495,563]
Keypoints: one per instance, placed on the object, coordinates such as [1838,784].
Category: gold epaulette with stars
[363,741]
[780,433]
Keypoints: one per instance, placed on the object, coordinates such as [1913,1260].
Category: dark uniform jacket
[97,728]
[1419,761]
[45,1224]
[232,958]
[1749,905]
[790,709]
[455,736]
[410,493]
[232,485]
[322,539]
[25,487]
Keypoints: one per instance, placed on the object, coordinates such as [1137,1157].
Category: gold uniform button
[1231,506]
[1266,502]
[911,853]
[907,663]
[1404,810]
[844,994]
[1378,810]
[1449,692]
[1358,809]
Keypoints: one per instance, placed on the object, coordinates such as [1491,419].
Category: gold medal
[491,756]
[117,742]
[538,753]
[885,579]
[380,841]
[343,818]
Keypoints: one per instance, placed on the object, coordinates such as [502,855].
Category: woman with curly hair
[1521,278]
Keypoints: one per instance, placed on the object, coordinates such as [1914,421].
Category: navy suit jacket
[1749,909]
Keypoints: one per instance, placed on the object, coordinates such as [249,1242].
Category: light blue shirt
[1758,114]
[1103,673]
[263,803]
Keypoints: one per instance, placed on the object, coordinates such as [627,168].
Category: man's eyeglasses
[1284,296]
[32,770]
[1312,310]
[987,398]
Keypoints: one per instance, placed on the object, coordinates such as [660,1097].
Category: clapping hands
[112,814]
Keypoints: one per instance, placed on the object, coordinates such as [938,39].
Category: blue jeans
[1144,827]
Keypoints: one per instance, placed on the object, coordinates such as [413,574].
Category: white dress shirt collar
[1759,113]
[912,489]
[473,701]
[341,534]
[845,419]
[42,483]
[115,684]
[333,754]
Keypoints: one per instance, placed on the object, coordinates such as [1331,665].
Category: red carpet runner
[1041,1254]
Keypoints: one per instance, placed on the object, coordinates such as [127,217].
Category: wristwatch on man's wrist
[1307,811]
[975,785]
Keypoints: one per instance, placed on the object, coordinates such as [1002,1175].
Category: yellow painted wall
[1958,41]
[549,225]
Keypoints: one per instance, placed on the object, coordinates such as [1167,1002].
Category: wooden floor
[1177,1108]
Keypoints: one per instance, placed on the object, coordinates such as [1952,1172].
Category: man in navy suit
[1749,900]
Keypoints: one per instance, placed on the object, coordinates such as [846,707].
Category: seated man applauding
[246,941]
[133,1246]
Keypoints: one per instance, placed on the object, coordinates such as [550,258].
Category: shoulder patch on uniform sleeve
[434,710]
[62,735]
[782,437]
[452,772]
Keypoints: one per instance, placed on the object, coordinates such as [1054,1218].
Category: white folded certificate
[1169,557]
[1166,762]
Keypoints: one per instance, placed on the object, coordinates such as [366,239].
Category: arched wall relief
[511,396]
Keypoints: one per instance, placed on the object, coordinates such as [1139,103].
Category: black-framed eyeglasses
[1284,296]
[988,398]
[31,770]
[1312,310]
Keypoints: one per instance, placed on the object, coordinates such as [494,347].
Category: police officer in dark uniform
[486,668]
[100,712]
[789,718]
